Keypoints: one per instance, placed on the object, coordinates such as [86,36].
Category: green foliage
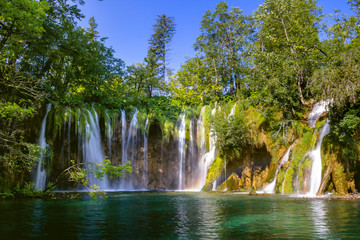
[345,125]
[223,47]
[28,191]
[272,63]
[232,131]
[79,173]
[10,110]
[190,83]
[6,195]
[166,111]
[105,168]
[286,53]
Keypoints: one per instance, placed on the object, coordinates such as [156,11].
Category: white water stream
[145,165]
[92,147]
[40,177]
[270,188]
[181,149]
[315,155]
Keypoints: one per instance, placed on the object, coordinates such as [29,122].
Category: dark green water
[180,216]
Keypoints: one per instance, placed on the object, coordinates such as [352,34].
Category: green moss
[279,180]
[141,117]
[214,172]
[298,152]
[207,124]
[231,184]
[339,179]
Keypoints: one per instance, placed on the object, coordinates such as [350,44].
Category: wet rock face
[305,184]
[159,165]
[162,158]
[251,167]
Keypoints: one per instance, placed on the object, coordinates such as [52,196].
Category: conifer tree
[164,30]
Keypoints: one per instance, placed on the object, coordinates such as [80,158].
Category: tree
[338,79]
[191,84]
[288,51]
[45,55]
[164,30]
[21,21]
[223,46]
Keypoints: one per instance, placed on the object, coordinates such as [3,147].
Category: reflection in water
[181,219]
[197,217]
[210,220]
[92,220]
[38,218]
[319,217]
[180,216]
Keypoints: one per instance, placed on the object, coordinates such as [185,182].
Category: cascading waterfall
[199,170]
[40,177]
[206,159]
[315,155]
[181,149]
[145,167]
[69,136]
[193,159]
[108,133]
[123,136]
[129,153]
[191,164]
[232,112]
[91,146]
[270,188]
[318,109]
[214,187]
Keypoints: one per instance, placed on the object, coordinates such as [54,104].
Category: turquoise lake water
[169,215]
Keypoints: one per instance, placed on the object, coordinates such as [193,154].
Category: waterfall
[206,159]
[129,150]
[270,188]
[214,187]
[232,112]
[318,109]
[69,137]
[145,167]
[91,146]
[40,177]
[123,136]
[198,175]
[181,148]
[108,132]
[315,155]
[191,158]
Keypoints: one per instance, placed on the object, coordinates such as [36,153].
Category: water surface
[164,215]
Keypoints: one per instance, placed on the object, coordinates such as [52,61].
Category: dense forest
[275,63]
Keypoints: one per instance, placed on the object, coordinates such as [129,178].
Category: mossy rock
[231,184]
[339,179]
[214,172]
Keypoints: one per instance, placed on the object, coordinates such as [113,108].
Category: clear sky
[128,23]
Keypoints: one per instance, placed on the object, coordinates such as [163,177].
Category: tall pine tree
[164,30]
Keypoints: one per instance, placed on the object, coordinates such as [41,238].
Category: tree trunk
[326,179]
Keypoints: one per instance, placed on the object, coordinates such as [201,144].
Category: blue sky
[128,23]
